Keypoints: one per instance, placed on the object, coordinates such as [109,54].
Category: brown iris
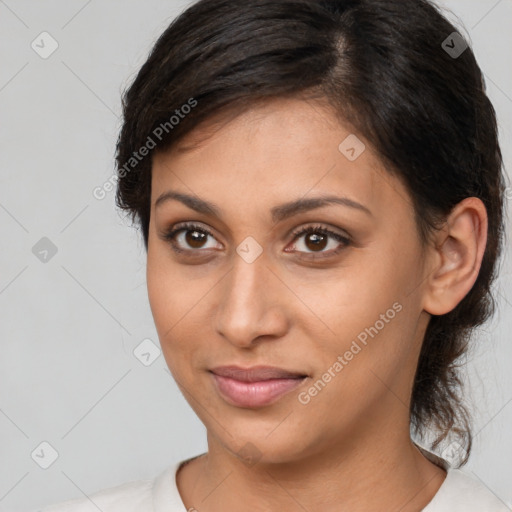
[316,241]
[195,238]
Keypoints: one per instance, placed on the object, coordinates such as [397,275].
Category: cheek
[368,303]
[158,293]
[168,290]
[174,301]
[165,302]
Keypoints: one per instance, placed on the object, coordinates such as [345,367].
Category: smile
[255,394]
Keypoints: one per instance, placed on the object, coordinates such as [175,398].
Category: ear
[456,257]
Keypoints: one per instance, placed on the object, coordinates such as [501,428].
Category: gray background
[68,326]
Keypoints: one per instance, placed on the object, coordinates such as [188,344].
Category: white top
[459,492]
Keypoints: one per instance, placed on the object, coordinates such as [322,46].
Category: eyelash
[344,240]
[170,235]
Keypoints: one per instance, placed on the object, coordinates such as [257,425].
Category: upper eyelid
[174,231]
[330,231]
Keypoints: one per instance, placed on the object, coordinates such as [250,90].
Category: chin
[263,445]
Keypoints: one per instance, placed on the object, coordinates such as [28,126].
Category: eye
[318,238]
[188,237]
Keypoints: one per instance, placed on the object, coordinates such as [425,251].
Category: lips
[256,373]
[254,387]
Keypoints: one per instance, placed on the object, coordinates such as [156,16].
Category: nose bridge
[248,307]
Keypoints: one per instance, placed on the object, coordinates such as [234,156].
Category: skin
[349,448]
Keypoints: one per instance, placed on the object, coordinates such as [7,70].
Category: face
[247,267]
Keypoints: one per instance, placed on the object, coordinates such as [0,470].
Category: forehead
[278,151]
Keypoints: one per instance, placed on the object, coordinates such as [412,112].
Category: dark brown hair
[382,66]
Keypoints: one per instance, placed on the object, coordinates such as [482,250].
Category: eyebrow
[278,213]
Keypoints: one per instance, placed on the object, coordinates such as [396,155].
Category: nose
[251,304]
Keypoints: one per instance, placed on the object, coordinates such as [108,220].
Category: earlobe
[459,250]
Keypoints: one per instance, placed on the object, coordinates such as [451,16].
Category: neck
[398,476]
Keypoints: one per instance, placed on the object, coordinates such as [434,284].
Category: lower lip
[254,394]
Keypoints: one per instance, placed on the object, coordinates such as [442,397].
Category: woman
[319,188]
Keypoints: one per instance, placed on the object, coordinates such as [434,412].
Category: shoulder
[131,496]
[462,492]
[157,495]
